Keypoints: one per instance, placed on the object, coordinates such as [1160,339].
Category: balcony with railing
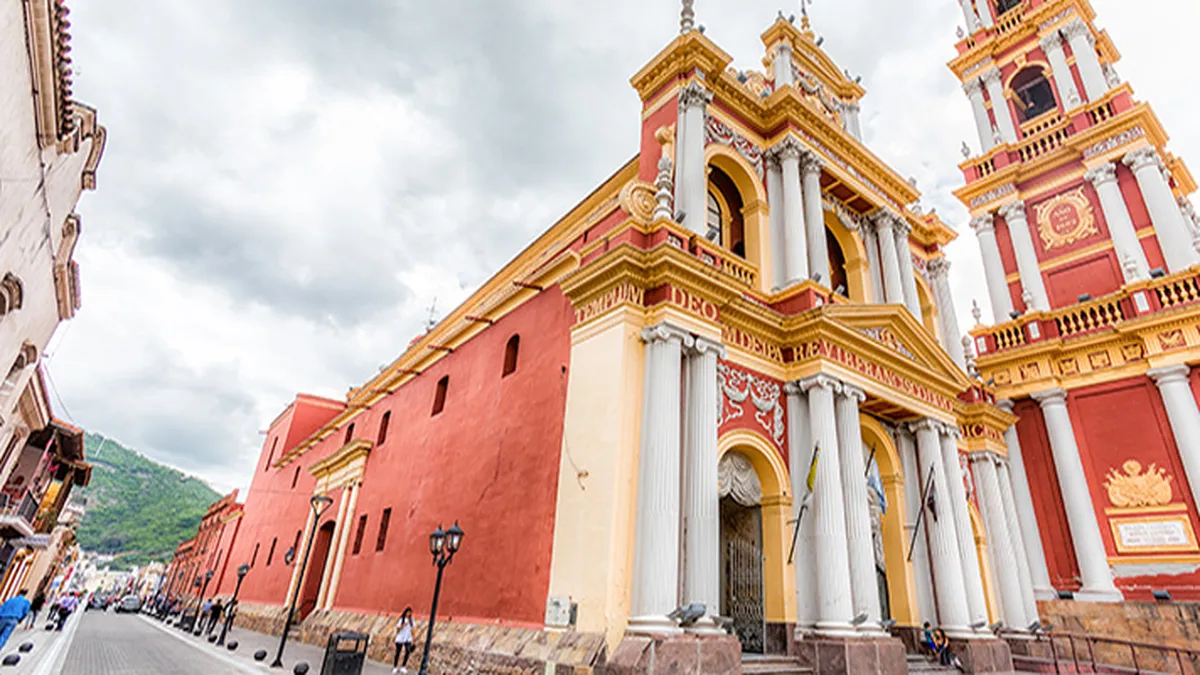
[17,515]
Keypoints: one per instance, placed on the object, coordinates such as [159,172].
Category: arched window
[837,265]
[1034,95]
[511,351]
[725,212]
[439,396]
[383,428]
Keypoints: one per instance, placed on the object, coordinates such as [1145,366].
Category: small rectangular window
[295,477]
[271,456]
[383,428]
[358,536]
[271,551]
[439,397]
[384,520]
[349,434]
[254,557]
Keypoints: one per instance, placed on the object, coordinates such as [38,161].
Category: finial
[976,313]
[1130,266]
[960,33]
[996,137]
[687,18]
[969,356]
[966,150]
[804,24]
[1027,298]
[665,208]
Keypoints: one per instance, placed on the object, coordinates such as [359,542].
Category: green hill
[136,507]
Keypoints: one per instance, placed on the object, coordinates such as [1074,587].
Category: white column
[939,280]
[1052,44]
[969,15]
[796,251]
[1024,575]
[993,267]
[835,605]
[778,242]
[852,119]
[985,13]
[1004,563]
[347,528]
[906,447]
[691,187]
[871,243]
[908,279]
[864,585]
[1120,225]
[956,501]
[656,537]
[1027,262]
[893,287]
[783,65]
[701,495]
[1173,234]
[983,125]
[1022,498]
[1000,109]
[814,218]
[1097,577]
[800,447]
[1084,47]
[339,530]
[1177,396]
[953,613]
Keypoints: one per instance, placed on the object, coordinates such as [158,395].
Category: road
[125,644]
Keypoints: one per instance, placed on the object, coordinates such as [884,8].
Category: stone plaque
[1065,219]
[1163,534]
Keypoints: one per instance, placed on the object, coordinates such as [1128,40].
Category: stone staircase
[920,663]
[769,664]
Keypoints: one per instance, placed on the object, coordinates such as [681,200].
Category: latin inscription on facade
[835,353]
[1154,535]
[1065,219]
[693,304]
[732,337]
[618,295]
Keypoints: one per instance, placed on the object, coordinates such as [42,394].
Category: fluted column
[701,496]
[814,218]
[1095,574]
[864,585]
[1052,45]
[1022,498]
[893,286]
[906,447]
[985,13]
[1173,233]
[800,448]
[1000,542]
[939,280]
[969,15]
[1000,109]
[983,125]
[953,612]
[835,605]
[956,495]
[908,278]
[656,538]
[795,238]
[1120,225]
[993,267]
[779,275]
[691,186]
[1083,45]
[1027,262]
[1024,575]
[1177,396]
[871,243]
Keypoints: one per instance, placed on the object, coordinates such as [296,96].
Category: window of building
[726,224]
[295,478]
[349,434]
[1034,95]
[358,536]
[271,551]
[511,352]
[271,455]
[439,397]
[254,556]
[1003,6]
[383,428]
[384,520]
[837,265]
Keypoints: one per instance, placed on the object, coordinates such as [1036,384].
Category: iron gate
[744,592]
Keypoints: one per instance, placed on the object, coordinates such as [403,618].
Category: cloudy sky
[289,184]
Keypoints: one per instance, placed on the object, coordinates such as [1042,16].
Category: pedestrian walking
[35,608]
[214,616]
[404,641]
[12,613]
[65,607]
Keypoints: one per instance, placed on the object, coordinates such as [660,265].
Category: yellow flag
[812,468]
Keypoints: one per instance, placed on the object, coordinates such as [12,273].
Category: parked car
[130,603]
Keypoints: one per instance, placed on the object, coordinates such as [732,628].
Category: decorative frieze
[993,195]
[765,398]
[1114,142]
[716,131]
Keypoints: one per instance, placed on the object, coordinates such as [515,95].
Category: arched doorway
[743,588]
[316,569]
[897,591]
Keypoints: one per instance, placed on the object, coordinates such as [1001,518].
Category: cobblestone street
[125,644]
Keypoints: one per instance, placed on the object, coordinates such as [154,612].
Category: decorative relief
[637,199]
[1065,219]
[625,293]
[1135,488]
[1172,339]
[1133,352]
[1068,366]
[1114,142]
[887,338]
[1003,377]
[765,396]
[993,195]
[1030,371]
[717,131]
[1099,360]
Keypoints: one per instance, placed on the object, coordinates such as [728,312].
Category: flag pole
[810,483]
[870,459]
[796,531]
[921,516]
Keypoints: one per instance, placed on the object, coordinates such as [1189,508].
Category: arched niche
[929,308]
[902,596]
[985,567]
[854,255]
[1033,92]
[754,210]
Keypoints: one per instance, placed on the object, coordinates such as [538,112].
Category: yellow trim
[985,563]
[343,467]
[1166,508]
[1154,560]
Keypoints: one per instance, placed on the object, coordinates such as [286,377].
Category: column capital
[973,87]
[938,268]
[884,219]
[1051,40]
[793,388]
[991,76]
[1012,210]
[789,148]
[694,95]
[810,163]
[852,392]
[984,223]
[950,431]
[1102,174]
[1050,397]
[1077,27]
[1169,374]
[925,424]
[982,456]
[902,228]
[1005,404]
[1141,158]
[822,381]
[702,345]
[666,331]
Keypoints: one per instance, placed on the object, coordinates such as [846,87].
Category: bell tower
[1089,250]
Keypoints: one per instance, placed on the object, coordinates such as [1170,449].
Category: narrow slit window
[349,434]
[511,352]
[254,556]
[358,536]
[384,520]
[295,478]
[271,551]
[383,428]
[271,456]
[439,397]
[296,544]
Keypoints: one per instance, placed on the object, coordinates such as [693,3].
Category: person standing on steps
[404,641]
[12,613]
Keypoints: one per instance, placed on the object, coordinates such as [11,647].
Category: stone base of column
[1045,594]
[985,655]
[653,626]
[705,626]
[836,630]
[1105,595]
[779,636]
[865,656]
[642,655]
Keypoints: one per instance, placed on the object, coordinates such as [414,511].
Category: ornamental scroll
[1065,219]
[765,396]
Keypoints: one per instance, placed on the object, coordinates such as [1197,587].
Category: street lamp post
[443,546]
[319,504]
[229,611]
[200,602]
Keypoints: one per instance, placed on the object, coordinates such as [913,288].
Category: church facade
[723,406]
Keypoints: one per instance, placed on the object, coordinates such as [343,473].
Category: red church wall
[651,151]
[1097,275]
[737,382]
[1047,496]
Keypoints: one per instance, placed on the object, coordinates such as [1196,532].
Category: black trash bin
[187,622]
[345,653]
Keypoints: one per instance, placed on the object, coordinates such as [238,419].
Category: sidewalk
[49,647]
[295,652]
